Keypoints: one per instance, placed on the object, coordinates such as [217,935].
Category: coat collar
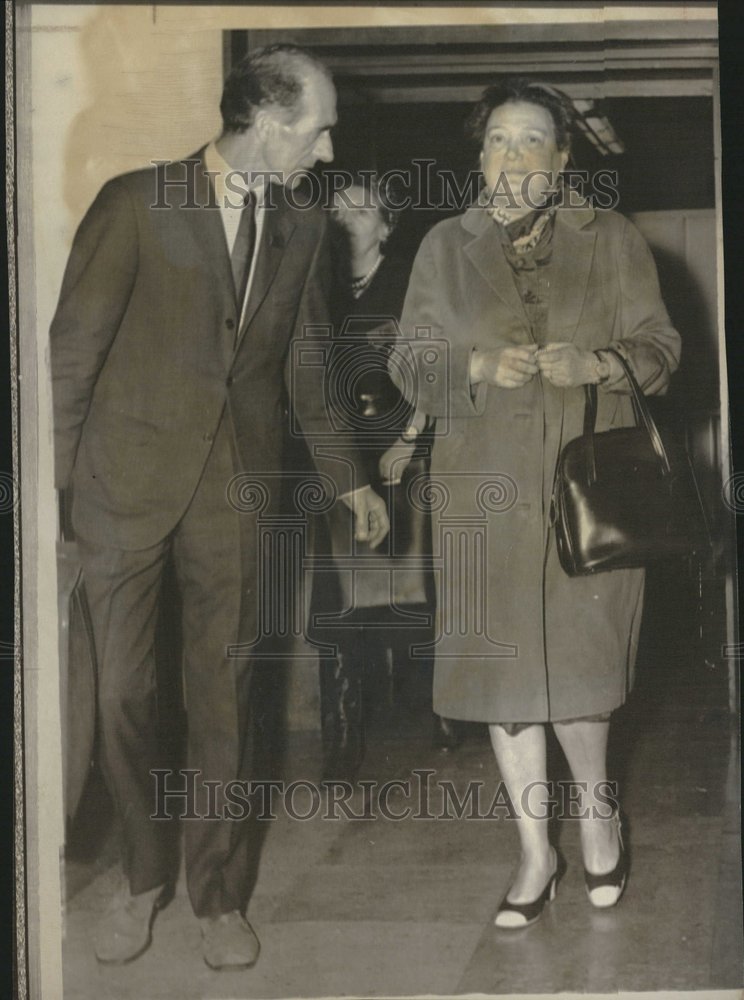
[278,227]
[206,224]
[571,265]
[476,220]
[573,251]
[201,213]
[486,255]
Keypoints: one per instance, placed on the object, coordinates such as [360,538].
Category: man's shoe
[229,942]
[126,928]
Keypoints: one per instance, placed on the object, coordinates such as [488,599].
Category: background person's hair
[271,76]
[518,88]
[385,195]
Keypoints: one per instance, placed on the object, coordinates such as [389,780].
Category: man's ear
[263,123]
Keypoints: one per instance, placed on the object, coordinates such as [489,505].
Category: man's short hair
[517,88]
[273,75]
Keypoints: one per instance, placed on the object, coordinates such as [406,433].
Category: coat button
[230,324]
[208,437]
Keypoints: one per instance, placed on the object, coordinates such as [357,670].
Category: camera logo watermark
[733,493]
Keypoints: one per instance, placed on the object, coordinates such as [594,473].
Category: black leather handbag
[623,498]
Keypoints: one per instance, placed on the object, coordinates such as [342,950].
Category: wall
[684,247]
[101,90]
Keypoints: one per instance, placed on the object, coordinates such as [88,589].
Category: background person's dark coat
[519,640]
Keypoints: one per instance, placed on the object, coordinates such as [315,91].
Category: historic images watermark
[182,794]
[424,186]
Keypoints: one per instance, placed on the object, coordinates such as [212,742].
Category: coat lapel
[570,266]
[487,256]
[206,225]
[278,227]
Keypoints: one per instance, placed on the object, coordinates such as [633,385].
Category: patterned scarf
[525,239]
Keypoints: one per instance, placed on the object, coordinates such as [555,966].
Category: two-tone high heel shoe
[515,916]
[605,891]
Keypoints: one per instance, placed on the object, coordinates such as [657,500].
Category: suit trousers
[214,562]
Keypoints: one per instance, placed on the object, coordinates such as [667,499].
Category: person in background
[383,600]
[522,294]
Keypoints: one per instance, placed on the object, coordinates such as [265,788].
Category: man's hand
[506,367]
[566,365]
[371,522]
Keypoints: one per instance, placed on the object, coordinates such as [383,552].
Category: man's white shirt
[230,203]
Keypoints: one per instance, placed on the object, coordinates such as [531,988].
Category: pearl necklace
[358,285]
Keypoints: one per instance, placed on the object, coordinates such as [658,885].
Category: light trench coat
[518,640]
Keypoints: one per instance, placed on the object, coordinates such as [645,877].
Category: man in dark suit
[171,362]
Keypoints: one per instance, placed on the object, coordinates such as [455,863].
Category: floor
[375,906]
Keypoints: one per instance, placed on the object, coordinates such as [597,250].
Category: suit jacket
[147,357]
[526,642]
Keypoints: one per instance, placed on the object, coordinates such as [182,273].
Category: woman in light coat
[509,308]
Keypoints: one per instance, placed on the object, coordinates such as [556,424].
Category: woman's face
[520,159]
[358,214]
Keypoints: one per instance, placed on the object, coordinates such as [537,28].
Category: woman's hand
[394,462]
[567,366]
[505,367]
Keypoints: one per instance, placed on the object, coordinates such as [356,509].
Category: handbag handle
[643,416]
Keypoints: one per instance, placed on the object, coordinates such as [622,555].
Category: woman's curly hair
[518,88]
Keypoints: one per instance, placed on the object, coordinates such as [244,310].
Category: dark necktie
[242,251]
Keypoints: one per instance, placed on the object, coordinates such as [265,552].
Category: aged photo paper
[326,688]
